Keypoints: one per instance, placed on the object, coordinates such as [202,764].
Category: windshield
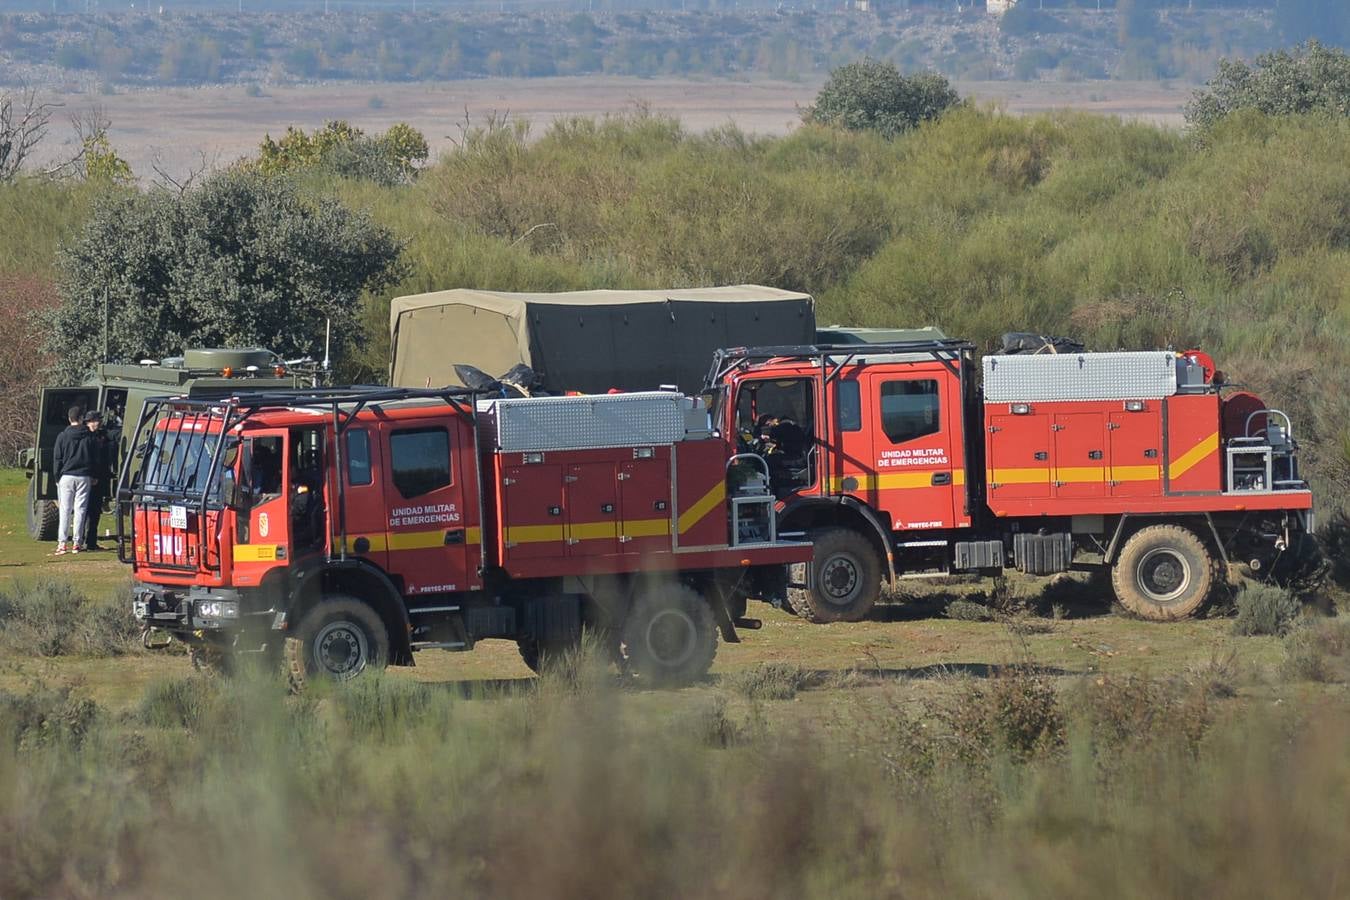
[179,462]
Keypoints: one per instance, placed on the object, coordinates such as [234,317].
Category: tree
[23,124]
[1312,78]
[238,260]
[344,150]
[870,95]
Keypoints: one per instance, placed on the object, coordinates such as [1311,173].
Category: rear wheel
[339,638]
[842,581]
[1164,572]
[42,514]
[670,636]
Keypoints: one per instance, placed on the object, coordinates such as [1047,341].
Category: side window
[419,459]
[848,405]
[358,456]
[909,409]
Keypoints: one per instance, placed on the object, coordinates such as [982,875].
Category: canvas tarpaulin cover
[589,341]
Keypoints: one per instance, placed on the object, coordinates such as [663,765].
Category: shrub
[1317,651]
[969,611]
[1264,609]
[870,95]
[52,618]
[178,703]
[44,716]
[1311,78]
[769,681]
[1014,712]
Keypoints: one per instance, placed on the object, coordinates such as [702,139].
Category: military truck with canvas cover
[119,391]
[589,341]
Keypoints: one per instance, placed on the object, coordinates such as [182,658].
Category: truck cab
[864,442]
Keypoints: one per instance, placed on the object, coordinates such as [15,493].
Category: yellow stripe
[1018,476]
[897,480]
[706,504]
[1136,473]
[646,528]
[1192,457]
[412,540]
[255,552]
[533,534]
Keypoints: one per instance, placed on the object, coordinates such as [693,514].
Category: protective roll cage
[177,485]
[958,356]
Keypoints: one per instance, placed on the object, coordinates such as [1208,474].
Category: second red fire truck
[906,460]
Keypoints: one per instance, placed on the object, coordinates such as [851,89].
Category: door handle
[454,537]
[940,478]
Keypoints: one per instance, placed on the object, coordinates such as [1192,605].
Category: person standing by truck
[102,478]
[75,460]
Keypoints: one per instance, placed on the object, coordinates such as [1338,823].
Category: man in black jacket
[75,461]
[99,489]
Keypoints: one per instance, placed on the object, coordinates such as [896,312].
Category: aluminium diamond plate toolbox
[1126,375]
[586,422]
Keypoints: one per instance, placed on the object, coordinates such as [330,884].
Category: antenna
[327,336]
[105,321]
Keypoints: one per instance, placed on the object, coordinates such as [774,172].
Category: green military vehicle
[119,391]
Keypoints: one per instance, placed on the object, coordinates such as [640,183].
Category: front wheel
[339,639]
[843,579]
[43,515]
[670,636]
[1163,573]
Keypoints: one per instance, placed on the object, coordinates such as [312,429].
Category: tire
[339,638]
[670,636]
[1164,573]
[843,580]
[43,515]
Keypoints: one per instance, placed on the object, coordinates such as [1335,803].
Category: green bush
[969,611]
[1264,609]
[768,681]
[53,618]
[871,95]
[1309,79]
[1318,651]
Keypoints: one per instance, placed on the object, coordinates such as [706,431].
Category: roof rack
[737,357]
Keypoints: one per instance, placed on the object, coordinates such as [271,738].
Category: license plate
[178,517]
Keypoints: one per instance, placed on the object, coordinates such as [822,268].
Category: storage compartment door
[592,509]
[1019,457]
[1080,454]
[1135,454]
[532,512]
[644,506]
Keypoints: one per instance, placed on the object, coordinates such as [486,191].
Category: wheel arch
[807,513]
[367,583]
[1129,524]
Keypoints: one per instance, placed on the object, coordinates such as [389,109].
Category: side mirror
[232,493]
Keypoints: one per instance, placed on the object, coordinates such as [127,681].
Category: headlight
[218,609]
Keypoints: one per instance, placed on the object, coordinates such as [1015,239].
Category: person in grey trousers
[76,463]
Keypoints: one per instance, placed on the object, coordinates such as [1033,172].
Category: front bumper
[191,608]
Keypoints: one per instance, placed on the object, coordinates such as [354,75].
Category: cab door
[262,537]
[914,417]
[427,533]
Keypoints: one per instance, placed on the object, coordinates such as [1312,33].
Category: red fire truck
[359,526]
[898,461]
